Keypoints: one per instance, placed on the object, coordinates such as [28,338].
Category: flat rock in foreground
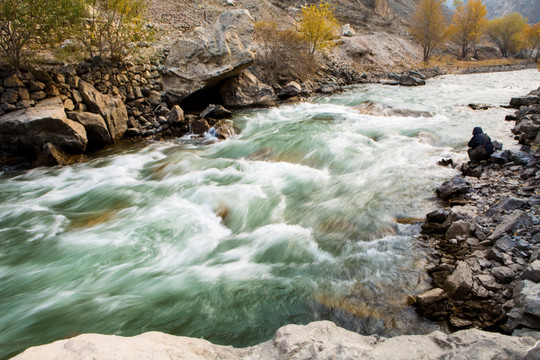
[31,128]
[318,340]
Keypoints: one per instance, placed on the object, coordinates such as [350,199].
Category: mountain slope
[528,8]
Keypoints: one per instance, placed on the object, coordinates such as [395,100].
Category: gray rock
[504,244]
[33,127]
[511,203]
[291,89]
[521,158]
[489,282]
[245,90]
[408,80]
[10,96]
[13,81]
[112,109]
[452,188]
[460,283]
[317,341]
[503,274]
[500,157]
[438,216]
[532,272]
[215,112]
[176,115]
[460,229]
[527,306]
[207,56]
[96,128]
[518,102]
[347,30]
[154,98]
[511,222]
[430,297]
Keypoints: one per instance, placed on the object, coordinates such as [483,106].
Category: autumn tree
[319,26]
[506,32]
[27,26]
[531,39]
[113,26]
[429,25]
[468,24]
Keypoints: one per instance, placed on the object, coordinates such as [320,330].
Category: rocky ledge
[486,240]
[318,340]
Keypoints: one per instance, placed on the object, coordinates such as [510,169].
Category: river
[303,216]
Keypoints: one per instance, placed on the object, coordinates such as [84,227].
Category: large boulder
[111,108]
[96,128]
[246,90]
[27,130]
[208,56]
[318,340]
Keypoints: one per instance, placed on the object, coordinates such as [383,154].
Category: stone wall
[139,86]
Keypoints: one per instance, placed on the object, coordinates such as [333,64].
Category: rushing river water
[296,219]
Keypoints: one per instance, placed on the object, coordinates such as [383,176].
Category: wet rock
[291,89]
[518,102]
[408,80]
[480,106]
[215,112]
[452,188]
[430,297]
[175,115]
[438,216]
[199,126]
[207,56]
[460,283]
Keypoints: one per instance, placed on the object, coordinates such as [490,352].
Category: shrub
[30,25]
[112,26]
[285,54]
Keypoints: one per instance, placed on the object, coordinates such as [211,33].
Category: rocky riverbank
[317,340]
[486,240]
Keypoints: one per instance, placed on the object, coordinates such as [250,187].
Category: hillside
[174,15]
[528,8]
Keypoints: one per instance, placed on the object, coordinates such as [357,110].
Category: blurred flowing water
[295,219]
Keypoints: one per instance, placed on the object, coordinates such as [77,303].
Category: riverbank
[486,240]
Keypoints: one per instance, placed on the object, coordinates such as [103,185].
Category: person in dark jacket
[480,145]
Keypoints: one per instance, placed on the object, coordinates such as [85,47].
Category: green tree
[30,25]
[468,25]
[506,32]
[428,25]
[113,26]
[319,26]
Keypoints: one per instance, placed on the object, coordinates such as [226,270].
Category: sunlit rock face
[208,56]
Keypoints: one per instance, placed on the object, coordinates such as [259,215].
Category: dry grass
[451,63]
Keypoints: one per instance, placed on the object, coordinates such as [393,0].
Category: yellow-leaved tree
[319,26]
[113,26]
[468,25]
[506,32]
[531,39]
[428,25]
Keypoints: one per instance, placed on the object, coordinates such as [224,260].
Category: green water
[291,221]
